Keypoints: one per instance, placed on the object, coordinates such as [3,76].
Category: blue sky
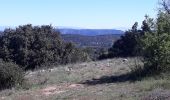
[76,13]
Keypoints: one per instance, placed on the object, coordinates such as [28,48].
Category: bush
[156,46]
[10,75]
[32,46]
[126,46]
[79,56]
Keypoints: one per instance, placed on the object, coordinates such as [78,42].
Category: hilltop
[101,80]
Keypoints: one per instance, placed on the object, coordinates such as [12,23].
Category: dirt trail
[51,90]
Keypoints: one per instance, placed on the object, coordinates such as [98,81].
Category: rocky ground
[101,80]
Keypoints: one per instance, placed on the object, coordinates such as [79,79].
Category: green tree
[126,45]
[32,46]
[155,46]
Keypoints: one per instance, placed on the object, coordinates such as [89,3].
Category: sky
[93,14]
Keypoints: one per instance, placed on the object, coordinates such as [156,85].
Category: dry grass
[100,80]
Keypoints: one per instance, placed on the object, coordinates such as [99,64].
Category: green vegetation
[151,43]
[95,46]
[98,41]
[156,46]
[126,45]
[29,47]
[10,75]
[33,46]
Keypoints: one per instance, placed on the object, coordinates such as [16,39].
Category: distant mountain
[98,41]
[90,32]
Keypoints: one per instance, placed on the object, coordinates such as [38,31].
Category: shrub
[126,46]
[32,46]
[10,75]
[155,46]
[79,56]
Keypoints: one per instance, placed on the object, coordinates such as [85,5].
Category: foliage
[95,53]
[79,56]
[10,75]
[152,43]
[96,42]
[156,46]
[32,46]
[127,44]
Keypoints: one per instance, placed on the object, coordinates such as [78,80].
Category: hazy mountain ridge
[81,31]
[90,32]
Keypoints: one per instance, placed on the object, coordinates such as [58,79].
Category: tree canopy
[32,46]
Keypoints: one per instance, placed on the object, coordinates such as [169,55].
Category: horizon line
[3,27]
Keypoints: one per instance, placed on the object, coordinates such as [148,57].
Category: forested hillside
[98,41]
